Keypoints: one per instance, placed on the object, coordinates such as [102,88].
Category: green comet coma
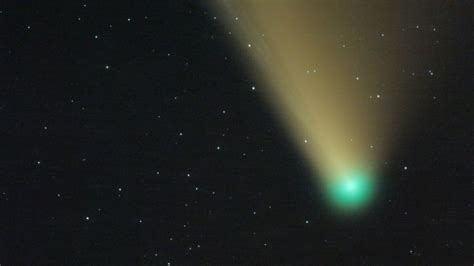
[352,191]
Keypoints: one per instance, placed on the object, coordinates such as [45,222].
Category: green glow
[351,192]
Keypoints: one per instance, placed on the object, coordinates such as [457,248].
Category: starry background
[132,134]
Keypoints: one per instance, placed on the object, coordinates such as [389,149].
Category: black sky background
[82,146]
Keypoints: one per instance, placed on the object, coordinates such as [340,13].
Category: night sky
[135,133]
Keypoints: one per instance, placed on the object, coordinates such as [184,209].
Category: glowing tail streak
[324,93]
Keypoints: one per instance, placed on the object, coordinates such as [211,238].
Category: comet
[328,87]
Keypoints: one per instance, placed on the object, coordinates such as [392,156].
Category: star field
[135,133]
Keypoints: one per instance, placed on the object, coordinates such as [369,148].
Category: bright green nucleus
[352,191]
